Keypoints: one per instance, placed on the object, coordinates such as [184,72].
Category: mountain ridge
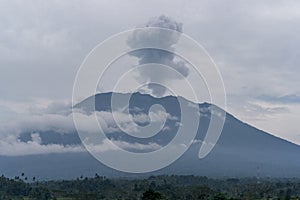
[201,104]
[241,151]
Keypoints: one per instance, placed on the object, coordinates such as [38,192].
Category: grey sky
[256,45]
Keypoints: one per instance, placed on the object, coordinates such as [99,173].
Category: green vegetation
[152,188]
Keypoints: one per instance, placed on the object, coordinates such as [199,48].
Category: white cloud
[45,119]
[31,122]
[127,123]
[11,146]
[115,145]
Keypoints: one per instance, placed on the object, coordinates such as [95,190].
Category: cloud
[31,123]
[63,123]
[261,110]
[145,56]
[115,145]
[128,123]
[12,146]
[54,117]
[286,99]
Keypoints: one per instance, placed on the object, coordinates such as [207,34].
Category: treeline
[151,188]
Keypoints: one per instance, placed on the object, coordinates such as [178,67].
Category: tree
[151,195]
[220,196]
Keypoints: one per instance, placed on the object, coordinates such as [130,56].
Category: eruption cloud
[146,56]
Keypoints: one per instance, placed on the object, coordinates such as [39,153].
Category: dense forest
[150,188]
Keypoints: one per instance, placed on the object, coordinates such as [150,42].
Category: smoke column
[156,55]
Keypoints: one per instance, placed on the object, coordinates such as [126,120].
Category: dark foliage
[152,188]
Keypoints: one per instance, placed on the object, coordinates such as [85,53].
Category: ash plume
[145,56]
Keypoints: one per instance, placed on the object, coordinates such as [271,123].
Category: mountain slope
[242,150]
